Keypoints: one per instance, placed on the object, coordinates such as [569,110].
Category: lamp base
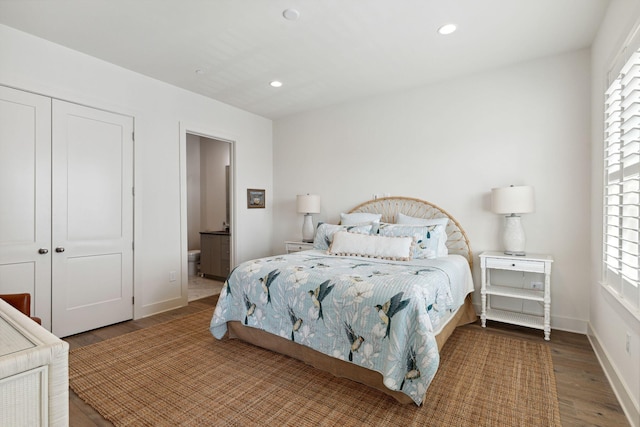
[307,229]
[513,237]
[512,253]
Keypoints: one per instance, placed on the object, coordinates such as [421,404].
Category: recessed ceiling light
[275,83]
[291,14]
[447,29]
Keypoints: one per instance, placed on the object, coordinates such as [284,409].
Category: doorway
[208,164]
[208,213]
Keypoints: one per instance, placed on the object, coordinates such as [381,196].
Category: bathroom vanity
[215,259]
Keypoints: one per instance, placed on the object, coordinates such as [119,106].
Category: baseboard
[619,387]
[159,307]
[569,325]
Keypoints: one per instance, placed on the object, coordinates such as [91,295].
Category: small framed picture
[255,198]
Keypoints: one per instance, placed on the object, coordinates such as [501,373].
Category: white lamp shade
[308,203]
[512,200]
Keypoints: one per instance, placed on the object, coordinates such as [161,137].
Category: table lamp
[513,201]
[308,204]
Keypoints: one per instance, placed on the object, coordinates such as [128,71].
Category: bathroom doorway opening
[207,207]
[208,169]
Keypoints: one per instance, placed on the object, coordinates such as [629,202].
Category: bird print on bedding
[251,308]
[424,244]
[412,368]
[267,281]
[373,313]
[360,265]
[296,322]
[225,286]
[319,294]
[354,339]
[389,309]
[225,289]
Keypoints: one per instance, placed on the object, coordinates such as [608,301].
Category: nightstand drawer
[515,264]
[298,246]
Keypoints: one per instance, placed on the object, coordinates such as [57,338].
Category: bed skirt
[341,368]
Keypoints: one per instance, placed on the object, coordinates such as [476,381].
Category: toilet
[194,261]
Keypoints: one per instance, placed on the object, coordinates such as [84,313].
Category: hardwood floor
[585,396]
[584,393]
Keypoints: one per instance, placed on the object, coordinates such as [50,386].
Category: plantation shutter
[621,240]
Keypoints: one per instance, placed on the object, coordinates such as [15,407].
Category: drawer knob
[513,265]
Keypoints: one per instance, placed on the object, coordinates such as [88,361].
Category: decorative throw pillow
[406,219]
[325,232]
[358,218]
[427,237]
[361,218]
[442,243]
[372,246]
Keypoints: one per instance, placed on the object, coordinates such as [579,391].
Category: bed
[374,301]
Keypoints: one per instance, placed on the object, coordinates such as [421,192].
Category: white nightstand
[291,246]
[533,263]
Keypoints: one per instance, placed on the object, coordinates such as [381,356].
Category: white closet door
[92,252]
[25,198]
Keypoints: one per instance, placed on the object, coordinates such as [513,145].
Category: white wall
[214,157]
[207,160]
[450,143]
[33,64]
[609,321]
[193,192]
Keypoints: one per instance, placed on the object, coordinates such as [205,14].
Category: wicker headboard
[389,207]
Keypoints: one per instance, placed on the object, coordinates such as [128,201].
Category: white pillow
[372,246]
[426,237]
[359,218]
[362,218]
[442,232]
[325,232]
[406,219]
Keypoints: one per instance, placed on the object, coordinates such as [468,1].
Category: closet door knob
[59,249]
[43,251]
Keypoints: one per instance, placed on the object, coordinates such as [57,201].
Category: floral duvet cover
[382,315]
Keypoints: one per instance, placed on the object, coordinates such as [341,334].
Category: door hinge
[133,300]
[133,191]
[133,246]
[133,136]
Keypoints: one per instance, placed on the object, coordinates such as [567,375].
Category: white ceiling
[338,50]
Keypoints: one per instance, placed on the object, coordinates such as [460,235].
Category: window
[621,240]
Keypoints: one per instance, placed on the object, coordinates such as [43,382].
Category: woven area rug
[176,373]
